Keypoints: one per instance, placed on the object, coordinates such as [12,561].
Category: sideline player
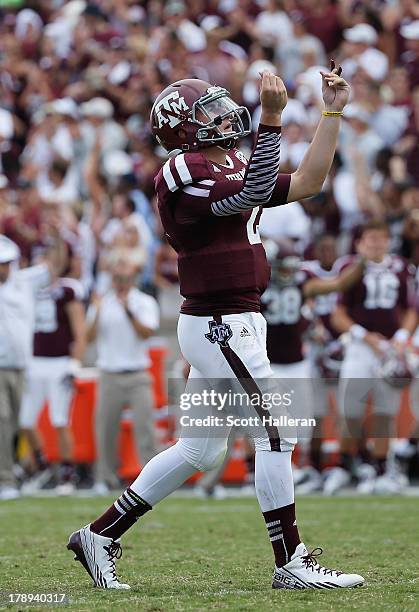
[283,306]
[325,354]
[210,202]
[379,316]
[59,344]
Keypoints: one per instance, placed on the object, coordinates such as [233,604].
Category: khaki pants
[116,390]
[11,382]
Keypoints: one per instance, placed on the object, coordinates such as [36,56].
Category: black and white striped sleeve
[260,178]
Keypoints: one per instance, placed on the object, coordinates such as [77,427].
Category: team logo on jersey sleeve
[219,332]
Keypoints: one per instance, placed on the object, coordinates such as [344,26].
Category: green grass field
[189,554]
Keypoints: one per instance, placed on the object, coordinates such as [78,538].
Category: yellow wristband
[332,113]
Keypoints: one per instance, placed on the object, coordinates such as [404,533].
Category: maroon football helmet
[187,116]
[395,369]
[285,262]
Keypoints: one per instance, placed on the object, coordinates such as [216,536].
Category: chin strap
[228,144]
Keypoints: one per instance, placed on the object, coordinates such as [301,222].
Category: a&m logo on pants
[219,332]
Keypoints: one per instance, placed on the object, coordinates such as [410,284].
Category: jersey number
[282,306]
[252,226]
[382,290]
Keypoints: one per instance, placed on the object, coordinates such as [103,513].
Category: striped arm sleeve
[260,178]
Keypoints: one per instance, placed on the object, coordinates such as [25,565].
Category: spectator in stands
[121,322]
[408,146]
[273,25]
[361,52]
[58,184]
[127,235]
[357,133]
[410,58]
[300,50]
[325,20]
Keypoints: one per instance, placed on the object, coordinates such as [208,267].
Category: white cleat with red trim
[305,572]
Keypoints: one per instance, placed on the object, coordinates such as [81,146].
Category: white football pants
[230,347]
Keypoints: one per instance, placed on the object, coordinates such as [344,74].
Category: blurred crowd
[77,80]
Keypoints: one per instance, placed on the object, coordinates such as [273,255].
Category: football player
[379,317]
[210,200]
[325,353]
[59,344]
[288,317]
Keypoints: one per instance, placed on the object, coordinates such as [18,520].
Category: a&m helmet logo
[169,110]
[219,332]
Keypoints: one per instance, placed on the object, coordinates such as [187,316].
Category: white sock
[273,479]
[162,475]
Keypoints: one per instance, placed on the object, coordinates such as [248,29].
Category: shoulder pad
[73,288]
[343,262]
[310,266]
[397,264]
[412,270]
[301,276]
[181,170]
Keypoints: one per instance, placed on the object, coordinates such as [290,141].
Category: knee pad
[204,454]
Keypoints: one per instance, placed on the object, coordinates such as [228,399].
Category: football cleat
[100,488]
[312,483]
[9,492]
[336,479]
[391,483]
[367,477]
[216,492]
[298,475]
[305,572]
[97,554]
[37,482]
[65,488]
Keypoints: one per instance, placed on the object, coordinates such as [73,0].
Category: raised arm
[309,177]
[340,283]
[263,168]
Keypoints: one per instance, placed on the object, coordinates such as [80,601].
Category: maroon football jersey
[377,301]
[221,260]
[281,307]
[53,334]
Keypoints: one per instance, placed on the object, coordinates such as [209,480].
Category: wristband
[307,312]
[326,113]
[357,332]
[401,335]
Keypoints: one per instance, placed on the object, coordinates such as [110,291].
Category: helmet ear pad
[181,134]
